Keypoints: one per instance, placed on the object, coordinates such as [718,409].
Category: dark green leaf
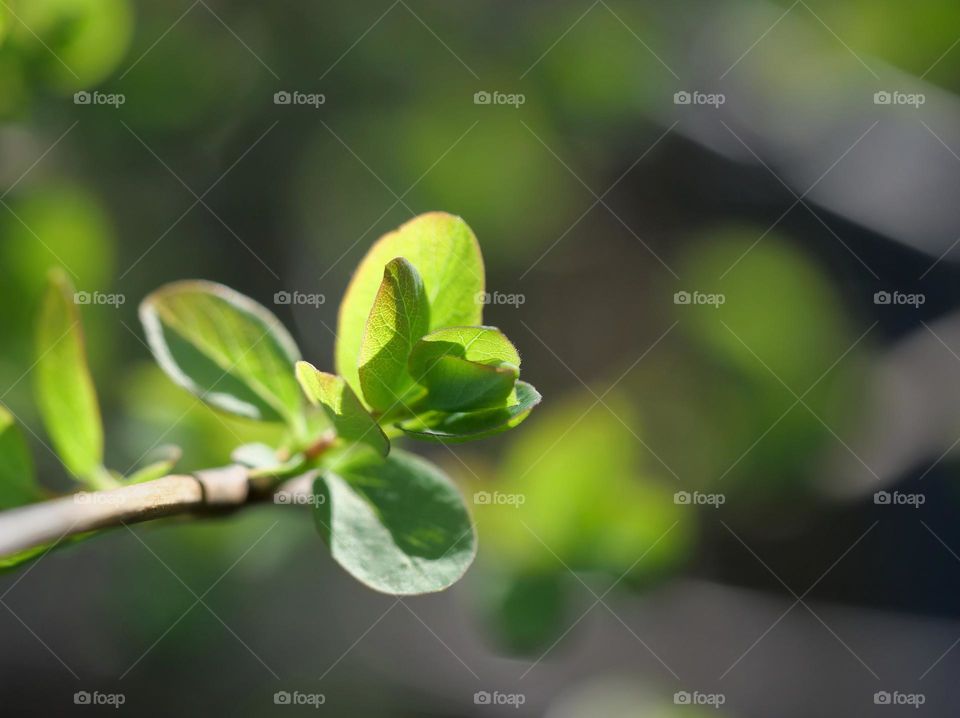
[225,348]
[399,317]
[17,481]
[399,525]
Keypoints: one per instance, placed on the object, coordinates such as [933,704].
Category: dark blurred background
[722,234]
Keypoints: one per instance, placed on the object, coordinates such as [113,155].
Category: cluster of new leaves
[413,359]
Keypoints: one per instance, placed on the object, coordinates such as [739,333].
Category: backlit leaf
[350,419]
[225,348]
[399,317]
[444,251]
[65,392]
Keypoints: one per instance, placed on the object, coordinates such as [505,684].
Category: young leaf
[399,526]
[159,463]
[446,254]
[466,368]
[350,419]
[399,317]
[17,480]
[468,426]
[65,392]
[225,348]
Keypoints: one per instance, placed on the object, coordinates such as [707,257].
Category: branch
[206,493]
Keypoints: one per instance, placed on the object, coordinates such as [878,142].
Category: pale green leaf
[446,254]
[224,347]
[64,388]
[399,526]
[157,464]
[350,419]
[458,427]
[466,368]
[399,317]
[17,480]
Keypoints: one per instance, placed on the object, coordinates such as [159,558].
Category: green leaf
[399,526]
[399,317]
[159,463]
[65,392]
[17,479]
[472,425]
[446,254]
[466,368]
[224,347]
[350,419]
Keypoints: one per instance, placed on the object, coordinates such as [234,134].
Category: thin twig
[206,493]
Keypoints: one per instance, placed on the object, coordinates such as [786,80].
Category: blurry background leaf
[65,393]
[399,525]
[585,496]
[80,41]
[225,348]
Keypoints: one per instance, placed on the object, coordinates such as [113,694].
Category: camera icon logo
[882,98]
[81,297]
[881,297]
[682,698]
[881,497]
[82,698]
[82,97]
[282,98]
[482,97]
[481,497]
[882,698]
[681,498]
[682,98]
[282,298]
[482,698]
[681,298]
[282,698]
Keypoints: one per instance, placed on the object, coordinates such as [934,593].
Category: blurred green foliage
[575,493]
